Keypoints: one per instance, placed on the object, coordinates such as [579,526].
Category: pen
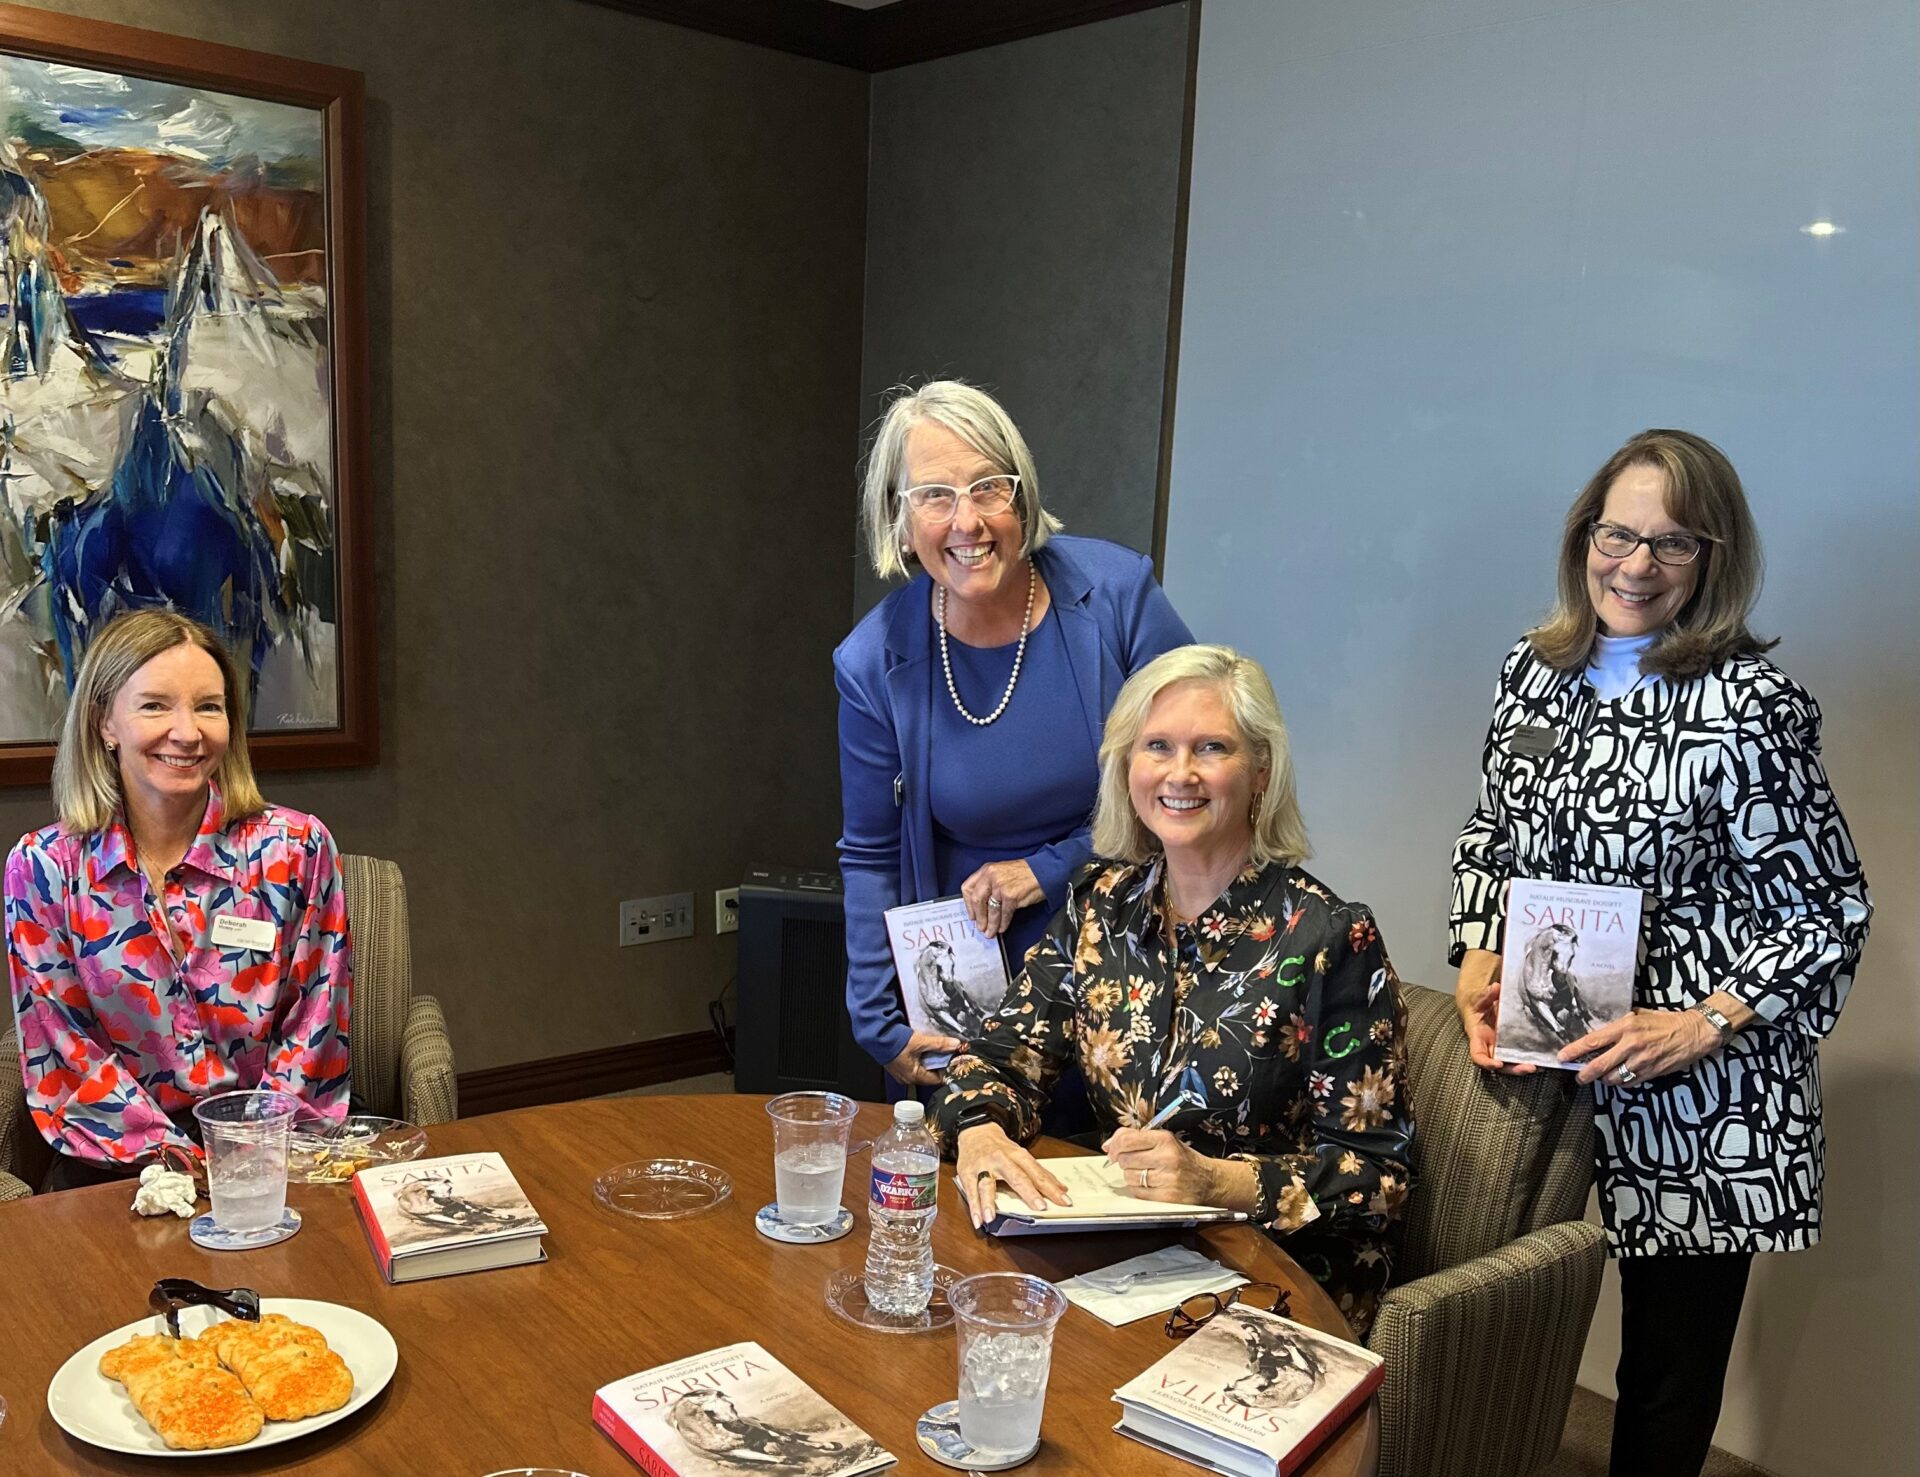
[1159,1119]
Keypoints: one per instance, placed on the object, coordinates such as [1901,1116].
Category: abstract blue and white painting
[166,425]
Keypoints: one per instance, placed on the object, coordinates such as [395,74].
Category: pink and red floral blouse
[129,1014]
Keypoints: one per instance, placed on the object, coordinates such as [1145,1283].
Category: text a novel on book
[729,1411]
[1567,967]
[459,1213]
[1251,1393]
[952,976]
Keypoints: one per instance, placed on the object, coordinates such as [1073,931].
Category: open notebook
[1099,1204]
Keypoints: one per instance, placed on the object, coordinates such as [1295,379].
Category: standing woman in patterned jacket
[173,935]
[1641,739]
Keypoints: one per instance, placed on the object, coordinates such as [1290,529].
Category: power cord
[717,1016]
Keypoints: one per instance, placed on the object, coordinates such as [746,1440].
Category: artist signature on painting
[301,720]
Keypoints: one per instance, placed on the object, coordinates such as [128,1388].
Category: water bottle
[906,1170]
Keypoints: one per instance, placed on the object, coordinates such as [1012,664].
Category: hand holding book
[986,1158]
[1651,1043]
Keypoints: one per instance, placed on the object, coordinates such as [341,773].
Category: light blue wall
[1442,258]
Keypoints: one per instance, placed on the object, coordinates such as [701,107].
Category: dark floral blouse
[1273,1019]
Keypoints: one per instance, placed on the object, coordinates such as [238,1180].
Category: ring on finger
[993,902]
[1146,1179]
[1625,1075]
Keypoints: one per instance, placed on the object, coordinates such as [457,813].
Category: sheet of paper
[1166,1278]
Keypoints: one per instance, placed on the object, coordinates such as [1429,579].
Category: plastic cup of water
[1004,1323]
[810,1154]
[245,1134]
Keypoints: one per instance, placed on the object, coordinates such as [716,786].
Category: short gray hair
[1279,834]
[977,419]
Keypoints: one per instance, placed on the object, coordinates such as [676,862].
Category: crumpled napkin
[162,1190]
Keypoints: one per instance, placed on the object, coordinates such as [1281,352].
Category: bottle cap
[908,1111]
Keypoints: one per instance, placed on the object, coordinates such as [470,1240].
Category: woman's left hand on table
[1647,1043]
[996,892]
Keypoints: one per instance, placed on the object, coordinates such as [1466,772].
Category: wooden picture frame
[288,469]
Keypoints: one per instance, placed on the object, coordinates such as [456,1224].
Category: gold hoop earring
[1253,810]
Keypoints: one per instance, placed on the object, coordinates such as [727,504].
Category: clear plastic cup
[1004,1322]
[810,1154]
[245,1134]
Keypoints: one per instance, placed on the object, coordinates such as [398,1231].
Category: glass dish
[331,1154]
[662,1189]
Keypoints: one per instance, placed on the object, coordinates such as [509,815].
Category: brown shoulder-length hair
[1704,497]
[86,777]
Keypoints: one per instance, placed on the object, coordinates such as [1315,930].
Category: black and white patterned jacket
[1708,795]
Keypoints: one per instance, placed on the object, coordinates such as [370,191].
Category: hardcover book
[1251,1393]
[728,1411]
[1568,966]
[952,975]
[1100,1203]
[436,1217]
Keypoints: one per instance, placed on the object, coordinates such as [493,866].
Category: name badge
[230,931]
[1533,741]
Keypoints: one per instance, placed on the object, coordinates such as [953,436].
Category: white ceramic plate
[88,1405]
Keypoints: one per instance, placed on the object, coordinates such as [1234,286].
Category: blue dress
[1109,619]
[1019,784]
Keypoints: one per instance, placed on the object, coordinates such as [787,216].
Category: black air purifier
[792,1033]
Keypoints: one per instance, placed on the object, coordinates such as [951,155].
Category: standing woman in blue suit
[972,700]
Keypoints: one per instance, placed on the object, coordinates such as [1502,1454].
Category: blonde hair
[1279,833]
[1704,497]
[977,419]
[86,777]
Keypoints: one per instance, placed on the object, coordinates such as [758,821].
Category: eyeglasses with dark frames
[1193,1313]
[1669,548]
[936,502]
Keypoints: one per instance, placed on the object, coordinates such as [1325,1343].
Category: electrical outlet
[648,920]
[726,910]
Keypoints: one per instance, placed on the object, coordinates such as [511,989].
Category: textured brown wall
[1022,204]
[615,276]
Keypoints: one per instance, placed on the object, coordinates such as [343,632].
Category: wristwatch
[1718,1021]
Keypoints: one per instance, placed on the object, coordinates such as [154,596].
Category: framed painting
[183,375]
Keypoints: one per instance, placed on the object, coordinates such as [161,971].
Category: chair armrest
[427,1090]
[22,1151]
[1481,1357]
[13,1188]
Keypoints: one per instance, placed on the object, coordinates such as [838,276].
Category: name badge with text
[230,931]
[1534,741]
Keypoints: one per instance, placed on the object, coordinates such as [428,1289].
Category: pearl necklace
[1019,653]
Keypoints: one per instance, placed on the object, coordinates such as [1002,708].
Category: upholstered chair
[1499,1273]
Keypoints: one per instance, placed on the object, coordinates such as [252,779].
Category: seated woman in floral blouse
[1198,966]
[173,935]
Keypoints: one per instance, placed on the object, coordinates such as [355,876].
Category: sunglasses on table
[1193,1313]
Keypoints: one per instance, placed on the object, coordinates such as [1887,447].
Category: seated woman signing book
[1196,967]
[172,936]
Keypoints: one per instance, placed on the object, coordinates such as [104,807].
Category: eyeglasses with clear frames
[1669,548]
[936,502]
[1193,1313]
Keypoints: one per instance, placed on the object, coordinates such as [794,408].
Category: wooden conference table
[498,1369]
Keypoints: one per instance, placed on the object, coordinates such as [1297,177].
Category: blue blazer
[1114,619]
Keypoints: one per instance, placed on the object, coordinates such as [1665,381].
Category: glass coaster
[847,1296]
[938,1432]
[768,1223]
[332,1153]
[663,1189]
[203,1232]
